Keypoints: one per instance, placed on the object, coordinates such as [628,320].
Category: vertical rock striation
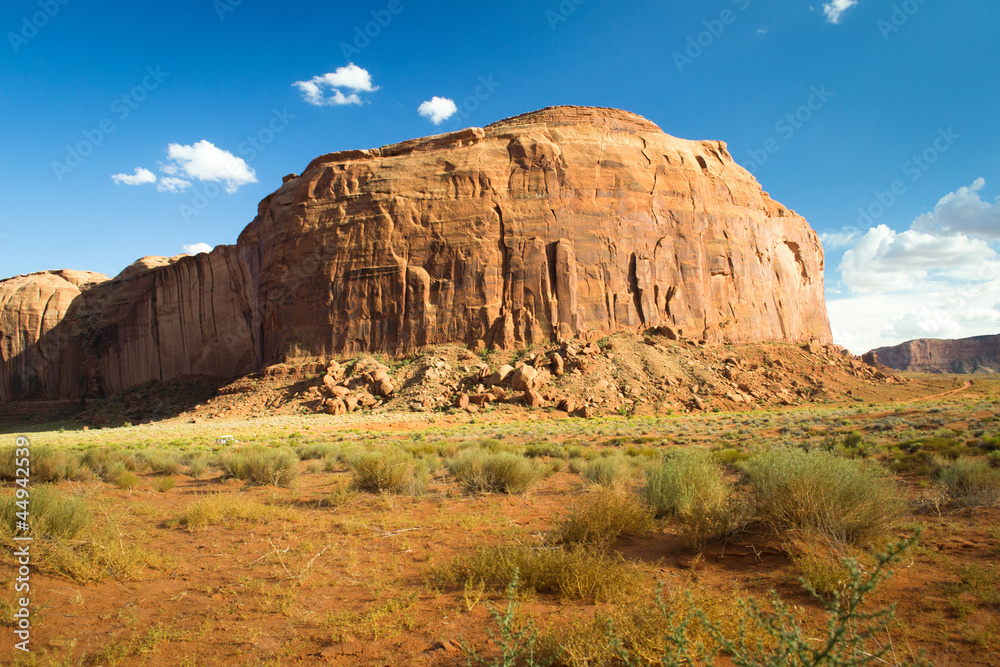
[564,222]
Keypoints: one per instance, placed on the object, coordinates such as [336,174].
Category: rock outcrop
[38,356]
[566,222]
[979,354]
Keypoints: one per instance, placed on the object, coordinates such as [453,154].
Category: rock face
[980,354]
[37,354]
[566,222]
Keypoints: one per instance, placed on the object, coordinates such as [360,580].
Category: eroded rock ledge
[565,222]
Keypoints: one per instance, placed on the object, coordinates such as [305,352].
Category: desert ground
[251,527]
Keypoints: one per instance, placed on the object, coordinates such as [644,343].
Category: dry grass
[849,501]
[482,472]
[389,470]
[602,519]
[70,541]
[261,466]
[690,488]
[972,483]
[226,509]
[576,574]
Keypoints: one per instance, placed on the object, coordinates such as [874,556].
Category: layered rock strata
[566,222]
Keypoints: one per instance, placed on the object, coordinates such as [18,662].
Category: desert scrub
[635,627]
[107,463]
[847,500]
[68,541]
[126,480]
[479,471]
[225,509]
[612,472]
[773,634]
[167,463]
[576,574]
[163,484]
[972,483]
[389,470]
[198,464]
[48,464]
[261,466]
[603,518]
[690,488]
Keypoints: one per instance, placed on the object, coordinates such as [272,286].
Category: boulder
[500,375]
[524,378]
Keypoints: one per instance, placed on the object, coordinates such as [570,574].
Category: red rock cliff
[563,222]
[979,354]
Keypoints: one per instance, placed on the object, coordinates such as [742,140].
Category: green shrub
[69,541]
[317,451]
[389,470]
[51,515]
[600,520]
[163,484]
[126,480]
[107,463]
[260,466]
[993,458]
[972,483]
[198,464]
[612,472]
[481,472]
[47,464]
[689,487]
[167,463]
[577,574]
[773,634]
[539,449]
[848,500]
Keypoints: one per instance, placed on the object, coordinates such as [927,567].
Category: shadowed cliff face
[979,354]
[559,223]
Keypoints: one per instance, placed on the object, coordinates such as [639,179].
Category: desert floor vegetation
[449,539]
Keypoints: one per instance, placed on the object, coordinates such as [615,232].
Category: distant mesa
[979,354]
[561,223]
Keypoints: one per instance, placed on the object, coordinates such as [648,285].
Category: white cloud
[963,212]
[939,279]
[886,261]
[196,248]
[933,310]
[203,161]
[171,184]
[841,239]
[140,177]
[835,9]
[351,77]
[438,109]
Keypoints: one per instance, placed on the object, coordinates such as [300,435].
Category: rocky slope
[979,354]
[566,222]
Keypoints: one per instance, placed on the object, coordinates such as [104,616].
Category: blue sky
[201,94]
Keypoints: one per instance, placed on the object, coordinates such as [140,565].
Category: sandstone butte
[566,222]
[979,354]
